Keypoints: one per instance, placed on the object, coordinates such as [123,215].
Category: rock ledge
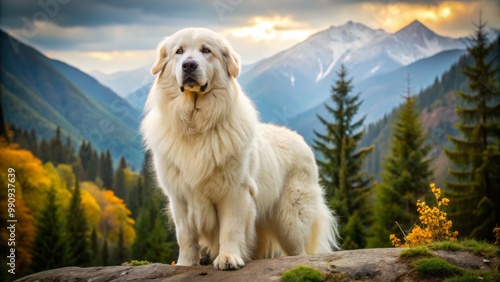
[365,264]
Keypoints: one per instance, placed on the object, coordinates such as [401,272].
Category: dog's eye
[179,51]
[205,50]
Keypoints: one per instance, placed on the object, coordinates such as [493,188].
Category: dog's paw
[187,263]
[228,262]
[205,257]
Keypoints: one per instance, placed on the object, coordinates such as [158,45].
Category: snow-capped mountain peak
[317,56]
[415,29]
[300,76]
[411,43]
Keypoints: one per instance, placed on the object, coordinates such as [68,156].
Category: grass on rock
[436,267]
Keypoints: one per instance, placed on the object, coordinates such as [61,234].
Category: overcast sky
[114,35]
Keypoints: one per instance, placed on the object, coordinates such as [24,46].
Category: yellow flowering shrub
[433,224]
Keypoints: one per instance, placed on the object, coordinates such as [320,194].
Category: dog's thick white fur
[238,189]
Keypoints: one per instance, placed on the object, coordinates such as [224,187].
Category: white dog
[237,189]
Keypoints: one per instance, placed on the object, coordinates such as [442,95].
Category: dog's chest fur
[200,163]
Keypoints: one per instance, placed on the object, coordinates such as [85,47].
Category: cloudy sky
[114,35]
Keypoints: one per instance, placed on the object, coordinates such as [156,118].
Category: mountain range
[296,81]
[436,108]
[41,93]
[312,65]
[381,93]
[290,87]
[124,82]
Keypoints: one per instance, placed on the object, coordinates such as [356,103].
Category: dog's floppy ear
[232,60]
[161,56]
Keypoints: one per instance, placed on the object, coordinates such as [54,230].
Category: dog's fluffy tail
[325,233]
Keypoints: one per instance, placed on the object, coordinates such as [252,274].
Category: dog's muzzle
[188,69]
[202,88]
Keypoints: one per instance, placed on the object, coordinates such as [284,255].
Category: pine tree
[134,198]
[356,231]
[69,156]
[345,183]
[56,148]
[143,227]
[85,152]
[148,175]
[50,246]
[3,128]
[158,247]
[106,170]
[105,252]
[21,138]
[92,168]
[33,142]
[154,241]
[119,179]
[475,188]
[77,228]
[94,248]
[405,177]
[120,254]
[76,165]
[44,151]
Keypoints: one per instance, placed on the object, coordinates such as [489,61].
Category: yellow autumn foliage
[114,214]
[92,211]
[434,226]
[66,174]
[63,195]
[104,211]
[26,169]
[33,180]
[30,174]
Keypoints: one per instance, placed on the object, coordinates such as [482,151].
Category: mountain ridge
[298,79]
[380,92]
[124,82]
[51,99]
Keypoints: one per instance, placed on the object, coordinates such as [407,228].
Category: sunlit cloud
[256,29]
[272,28]
[108,61]
[393,17]
[105,56]
[115,55]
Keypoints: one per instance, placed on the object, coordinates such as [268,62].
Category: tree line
[79,209]
[371,210]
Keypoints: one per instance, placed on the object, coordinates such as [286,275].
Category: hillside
[298,79]
[124,82]
[382,92]
[40,93]
[113,103]
[436,105]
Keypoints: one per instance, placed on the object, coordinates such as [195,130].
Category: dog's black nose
[189,66]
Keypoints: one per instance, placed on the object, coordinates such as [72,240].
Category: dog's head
[196,56]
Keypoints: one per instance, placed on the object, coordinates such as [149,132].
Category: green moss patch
[302,273]
[136,262]
[416,252]
[476,275]
[446,246]
[480,248]
[436,267]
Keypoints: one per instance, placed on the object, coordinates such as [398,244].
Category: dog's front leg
[236,214]
[187,236]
